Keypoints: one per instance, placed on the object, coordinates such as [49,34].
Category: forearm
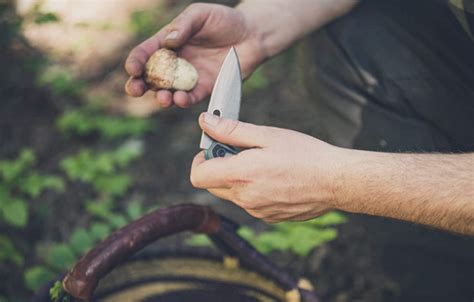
[430,189]
[279,23]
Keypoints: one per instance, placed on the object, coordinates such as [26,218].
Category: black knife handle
[219,150]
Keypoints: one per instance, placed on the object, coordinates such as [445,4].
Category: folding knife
[225,102]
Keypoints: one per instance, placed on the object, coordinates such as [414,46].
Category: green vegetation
[258,80]
[58,257]
[102,170]
[299,238]
[90,120]
[48,17]
[20,183]
[60,82]
[143,22]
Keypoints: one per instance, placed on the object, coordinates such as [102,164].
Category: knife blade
[224,102]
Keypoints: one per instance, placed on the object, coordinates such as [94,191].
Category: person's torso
[464,12]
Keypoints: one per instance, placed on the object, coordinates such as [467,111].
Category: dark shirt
[464,12]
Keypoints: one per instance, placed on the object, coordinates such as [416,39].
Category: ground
[342,270]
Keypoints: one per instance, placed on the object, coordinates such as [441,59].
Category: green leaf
[84,166]
[134,210]
[314,238]
[102,208]
[37,276]
[270,241]
[199,240]
[143,23]
[15,212]
[113,184]
[60,257]
[81,241]
[100,230]
[54,183]
[299,238]
[34,184]
[8,252]
[246,233]
[11,170]
[329,219]
[258,80]
[56,290]
[5,196]
[128,152]
[117,221]
[61,82]
[91,120]
[48,17]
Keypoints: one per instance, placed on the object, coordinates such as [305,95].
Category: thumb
[235,133]
[186,24]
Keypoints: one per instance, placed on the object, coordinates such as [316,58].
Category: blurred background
[79,158]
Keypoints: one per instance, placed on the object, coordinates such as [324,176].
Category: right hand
[202,34]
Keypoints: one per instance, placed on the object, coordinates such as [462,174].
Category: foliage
[18,183]
[144,23]
[45,17]
[60,82]
[89,120]
[199,240]
[58,257]
[258,80]
[299,238]
[8,252]
[56,290]
[36,276]
[101,170]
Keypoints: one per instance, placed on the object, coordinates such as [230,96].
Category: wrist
[327,179]
[350,171]
[256,37]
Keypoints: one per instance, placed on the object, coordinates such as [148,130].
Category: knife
[225,102]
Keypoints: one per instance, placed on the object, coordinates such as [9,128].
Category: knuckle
[272,220]
[229,127]
[195,8]
[195,5]
[237,196]
[269,220]
[256,214]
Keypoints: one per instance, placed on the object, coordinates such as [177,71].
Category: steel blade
[226,94]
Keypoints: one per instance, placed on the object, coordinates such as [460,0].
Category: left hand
[281,174]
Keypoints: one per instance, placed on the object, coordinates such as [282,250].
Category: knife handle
[219,150]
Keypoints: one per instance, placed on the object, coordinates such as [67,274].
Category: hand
[282,175]
[203,34]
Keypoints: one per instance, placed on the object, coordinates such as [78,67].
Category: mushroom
[164,70]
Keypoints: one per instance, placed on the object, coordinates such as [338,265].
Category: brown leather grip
[84,277]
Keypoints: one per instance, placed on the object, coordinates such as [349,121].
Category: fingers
[135,65]
[138,57]
[174,35]
[211,173]
[184,26]
[164,98]
[235,133]
[182,99]
[135,87]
